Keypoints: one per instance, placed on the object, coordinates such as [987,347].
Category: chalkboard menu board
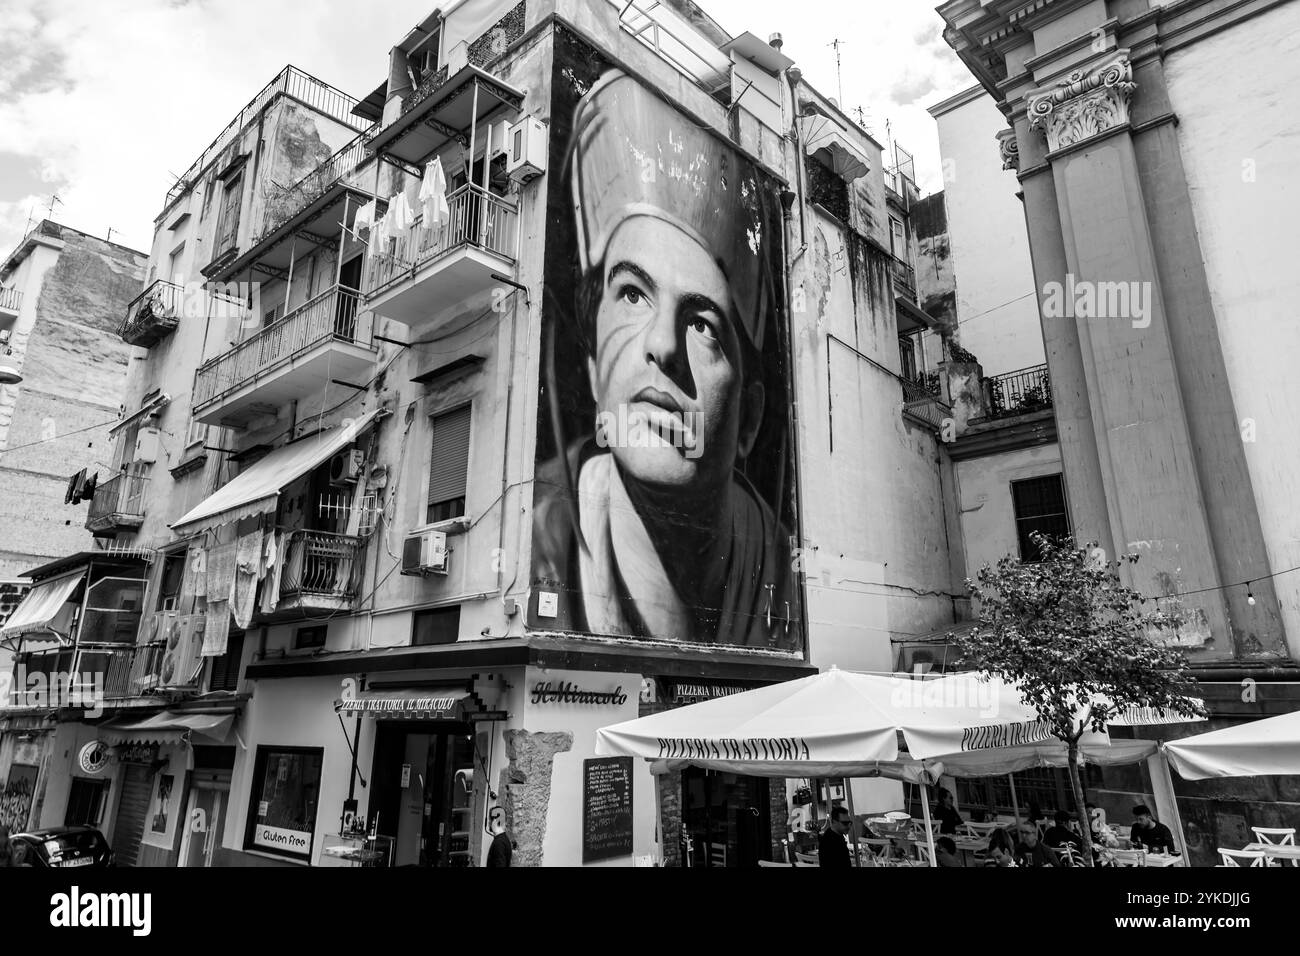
[606,808]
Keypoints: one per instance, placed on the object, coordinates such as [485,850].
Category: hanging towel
[400,215]
[221,572]
[216,630]
[433,195]
[195,580]
[365,221]
[271,581]
[248,562]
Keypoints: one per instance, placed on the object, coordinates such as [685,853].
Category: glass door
[204,821]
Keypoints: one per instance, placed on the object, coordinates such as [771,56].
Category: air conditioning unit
[526,156]
[425,552]
[146,445]
[500,139]
[345,467]
[182,652]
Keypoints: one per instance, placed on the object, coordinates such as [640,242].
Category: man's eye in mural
[703,327]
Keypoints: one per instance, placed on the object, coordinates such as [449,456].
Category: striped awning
[41,609]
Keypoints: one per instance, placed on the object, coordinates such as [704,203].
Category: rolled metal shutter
[449,458]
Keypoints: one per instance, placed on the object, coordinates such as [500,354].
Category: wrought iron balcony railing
[334,315]
[1018,393]
[476,218]
[319,564]
[923,400]
[904,279]
[119,502]
[134,671]
[280,209]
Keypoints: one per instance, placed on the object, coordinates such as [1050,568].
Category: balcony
[923,402]
[325,341]
[435,272]
[1018,393]
[153,314]
[320,571]
[11,300]
[134,671]
[904,279]
[118,505]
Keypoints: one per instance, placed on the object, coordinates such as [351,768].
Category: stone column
[526,789]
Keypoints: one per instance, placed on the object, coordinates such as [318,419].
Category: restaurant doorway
[423,791]
[726,820]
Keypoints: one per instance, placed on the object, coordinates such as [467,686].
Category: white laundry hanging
[400,215]
[364,224]
[433,195]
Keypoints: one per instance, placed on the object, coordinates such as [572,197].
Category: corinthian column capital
[1009,147]
[1084,105]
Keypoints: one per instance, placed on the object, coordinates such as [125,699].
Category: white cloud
[112,99]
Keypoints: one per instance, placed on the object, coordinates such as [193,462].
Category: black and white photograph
[667,434]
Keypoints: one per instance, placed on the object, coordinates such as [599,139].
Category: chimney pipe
[776,41]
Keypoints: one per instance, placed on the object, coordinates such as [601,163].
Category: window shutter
[449,457]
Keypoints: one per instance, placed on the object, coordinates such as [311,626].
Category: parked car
[64,847]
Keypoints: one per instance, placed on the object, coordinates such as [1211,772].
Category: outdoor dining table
[1277,852]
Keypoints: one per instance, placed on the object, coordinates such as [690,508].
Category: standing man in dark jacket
[502,849]
[832,851]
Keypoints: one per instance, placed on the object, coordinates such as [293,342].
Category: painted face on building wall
[668,360]
[664,489]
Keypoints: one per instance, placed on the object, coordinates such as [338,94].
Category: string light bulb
[1250,597]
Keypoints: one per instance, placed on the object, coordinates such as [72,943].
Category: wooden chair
[1285,836]
[717,854]
[1237,857]
[763,863]
[807,859]
[979,831]
[1069,854]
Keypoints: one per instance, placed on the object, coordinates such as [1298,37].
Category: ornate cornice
[1010,149]
[1084,105]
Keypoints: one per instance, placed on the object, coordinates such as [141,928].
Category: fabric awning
[1265,747]
[409,703]
[168,727]
[257,490]
[40,608]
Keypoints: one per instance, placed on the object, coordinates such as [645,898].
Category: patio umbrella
[1262,747]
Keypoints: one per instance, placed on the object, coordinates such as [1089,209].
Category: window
[441,625]
[228,223]
[224,671]
[827,188]
[284,800]
[309,637]
[448,465]
[174,265]
[169,585]
[197,433]
[85,802]
[898,239]
[1040,506]
[273,316]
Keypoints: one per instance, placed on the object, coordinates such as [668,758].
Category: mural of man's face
[668,353]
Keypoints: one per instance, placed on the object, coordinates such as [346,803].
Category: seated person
[945,852]
[1062,833]
[1031,851]
[832,850]
[1150,835]
[1000,852]
[946,813]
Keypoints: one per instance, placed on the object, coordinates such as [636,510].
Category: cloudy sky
[103,102]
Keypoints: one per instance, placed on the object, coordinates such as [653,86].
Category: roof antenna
[839,78]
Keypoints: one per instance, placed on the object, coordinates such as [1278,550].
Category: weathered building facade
[1154,203]
[461,450]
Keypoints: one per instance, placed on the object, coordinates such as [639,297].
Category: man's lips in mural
[665,415]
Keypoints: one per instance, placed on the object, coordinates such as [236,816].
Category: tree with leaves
[1080,645]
